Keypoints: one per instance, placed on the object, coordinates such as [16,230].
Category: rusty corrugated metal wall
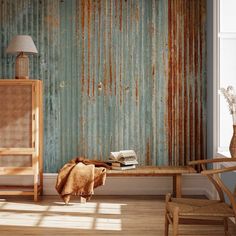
[117,75]
[186,81]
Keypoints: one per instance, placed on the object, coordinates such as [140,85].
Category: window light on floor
[99,216]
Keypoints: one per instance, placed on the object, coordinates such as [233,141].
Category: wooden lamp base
[22,66]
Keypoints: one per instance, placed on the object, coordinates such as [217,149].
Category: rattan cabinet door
[16,109]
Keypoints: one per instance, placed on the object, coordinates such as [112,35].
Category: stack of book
[123,160]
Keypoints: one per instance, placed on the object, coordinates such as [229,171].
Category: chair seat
[200,207]
[203,211]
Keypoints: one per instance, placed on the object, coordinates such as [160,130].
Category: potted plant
[230,96]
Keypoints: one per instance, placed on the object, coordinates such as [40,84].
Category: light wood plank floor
[102,215]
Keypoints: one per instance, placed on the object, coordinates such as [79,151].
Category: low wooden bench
[175,171]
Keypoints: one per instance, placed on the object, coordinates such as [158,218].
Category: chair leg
[226,226]
[166,225]
[175,221]
[168,197]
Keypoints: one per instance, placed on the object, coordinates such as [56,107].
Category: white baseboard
[193,184]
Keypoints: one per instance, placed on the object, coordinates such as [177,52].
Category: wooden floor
[102,215]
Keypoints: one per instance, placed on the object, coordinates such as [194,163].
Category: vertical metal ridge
[170,62]
[203,75]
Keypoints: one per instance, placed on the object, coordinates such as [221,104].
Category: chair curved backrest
[213,176]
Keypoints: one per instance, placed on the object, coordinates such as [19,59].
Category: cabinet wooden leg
[35,188]
[41,183]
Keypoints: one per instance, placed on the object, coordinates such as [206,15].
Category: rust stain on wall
[83,43]
[186,84]
[148,161]
[121,15]
[88,48]
[136,91]
[51,20]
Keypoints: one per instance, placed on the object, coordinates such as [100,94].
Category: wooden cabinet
[21,135]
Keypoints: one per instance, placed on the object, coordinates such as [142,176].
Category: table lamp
[23,45]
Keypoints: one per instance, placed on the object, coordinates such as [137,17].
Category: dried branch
[230,97]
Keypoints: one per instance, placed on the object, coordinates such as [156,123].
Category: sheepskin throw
[79,177]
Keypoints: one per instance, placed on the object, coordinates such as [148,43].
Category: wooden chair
[203,211]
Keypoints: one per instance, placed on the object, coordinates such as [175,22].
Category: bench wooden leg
[177,185]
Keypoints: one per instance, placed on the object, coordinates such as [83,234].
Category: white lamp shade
[22,43]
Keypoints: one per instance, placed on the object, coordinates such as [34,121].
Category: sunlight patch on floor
[69,222]
[23,207]
[110,208]
[59,215]
[59,221]
[19,219]
[107,224]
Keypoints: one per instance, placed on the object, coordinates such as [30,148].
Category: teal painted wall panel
[106,72]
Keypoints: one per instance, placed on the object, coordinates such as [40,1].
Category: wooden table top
[152,171]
